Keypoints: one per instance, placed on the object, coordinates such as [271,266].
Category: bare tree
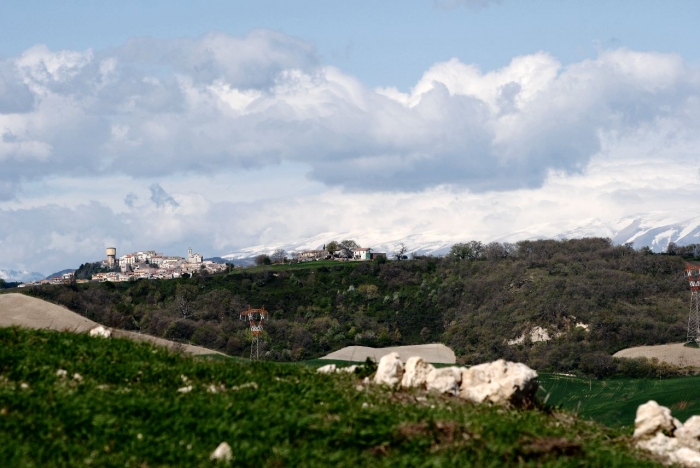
[279,256]
[184,296]
[400,253]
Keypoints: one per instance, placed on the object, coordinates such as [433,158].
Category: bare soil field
[30,312]
[435,353]
[675,354]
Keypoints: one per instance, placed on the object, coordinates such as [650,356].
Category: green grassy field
[124,409]
[614,402]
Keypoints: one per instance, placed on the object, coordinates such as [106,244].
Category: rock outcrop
[500,382]
[390,370]
[416,373]
[689,433]
[656,431]
[445,380]
[653,418]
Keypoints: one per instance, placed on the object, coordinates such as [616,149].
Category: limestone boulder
[445,380]
[223,453]
[101,332]
[416,372]
[660,445]
[389,370]
[652,419]
[689,433]
[327,369]
[500,382]
[686,457]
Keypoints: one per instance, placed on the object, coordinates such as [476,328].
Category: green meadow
[614,402]
[121,403]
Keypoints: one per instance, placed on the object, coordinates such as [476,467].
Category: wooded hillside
[472,303]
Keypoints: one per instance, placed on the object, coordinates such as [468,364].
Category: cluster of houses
[149,264]
[359,253]
[152,265]
[141,265]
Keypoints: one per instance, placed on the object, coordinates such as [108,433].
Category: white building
[362,253]
[194,258]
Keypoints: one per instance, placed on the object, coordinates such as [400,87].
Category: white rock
[659,444]
[686,457]
[445,380]
[499,382]
[688,434]
[77,377]
[185,389]
[61,373]
[416,372]
[327,369]
[223,452]
[101,332]
[348,369]
[389,370]
[652,419]
[24,386]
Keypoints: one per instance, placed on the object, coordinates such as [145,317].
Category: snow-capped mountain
[655,230]
[12,276]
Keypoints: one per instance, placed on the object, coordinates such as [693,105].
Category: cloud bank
[142,138]
[154,108]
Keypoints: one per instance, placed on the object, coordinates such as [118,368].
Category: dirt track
[436,352]
[675,354]
[30,312]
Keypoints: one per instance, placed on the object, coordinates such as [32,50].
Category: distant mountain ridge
[12,276]
[654,230]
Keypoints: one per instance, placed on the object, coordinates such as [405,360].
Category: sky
[220,125]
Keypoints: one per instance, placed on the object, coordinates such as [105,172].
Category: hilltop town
[149,264]
[146,264]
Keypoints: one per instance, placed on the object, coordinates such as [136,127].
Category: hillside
[619,296]
[29,312]
[119,403]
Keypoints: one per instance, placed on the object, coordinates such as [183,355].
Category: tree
[2,283]
[262,259]
[469,251]
[671,249]
[184,297]
[332,246]
[346,248]
[279,256]
[400,253]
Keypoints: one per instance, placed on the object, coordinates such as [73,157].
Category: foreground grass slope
[125,410]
